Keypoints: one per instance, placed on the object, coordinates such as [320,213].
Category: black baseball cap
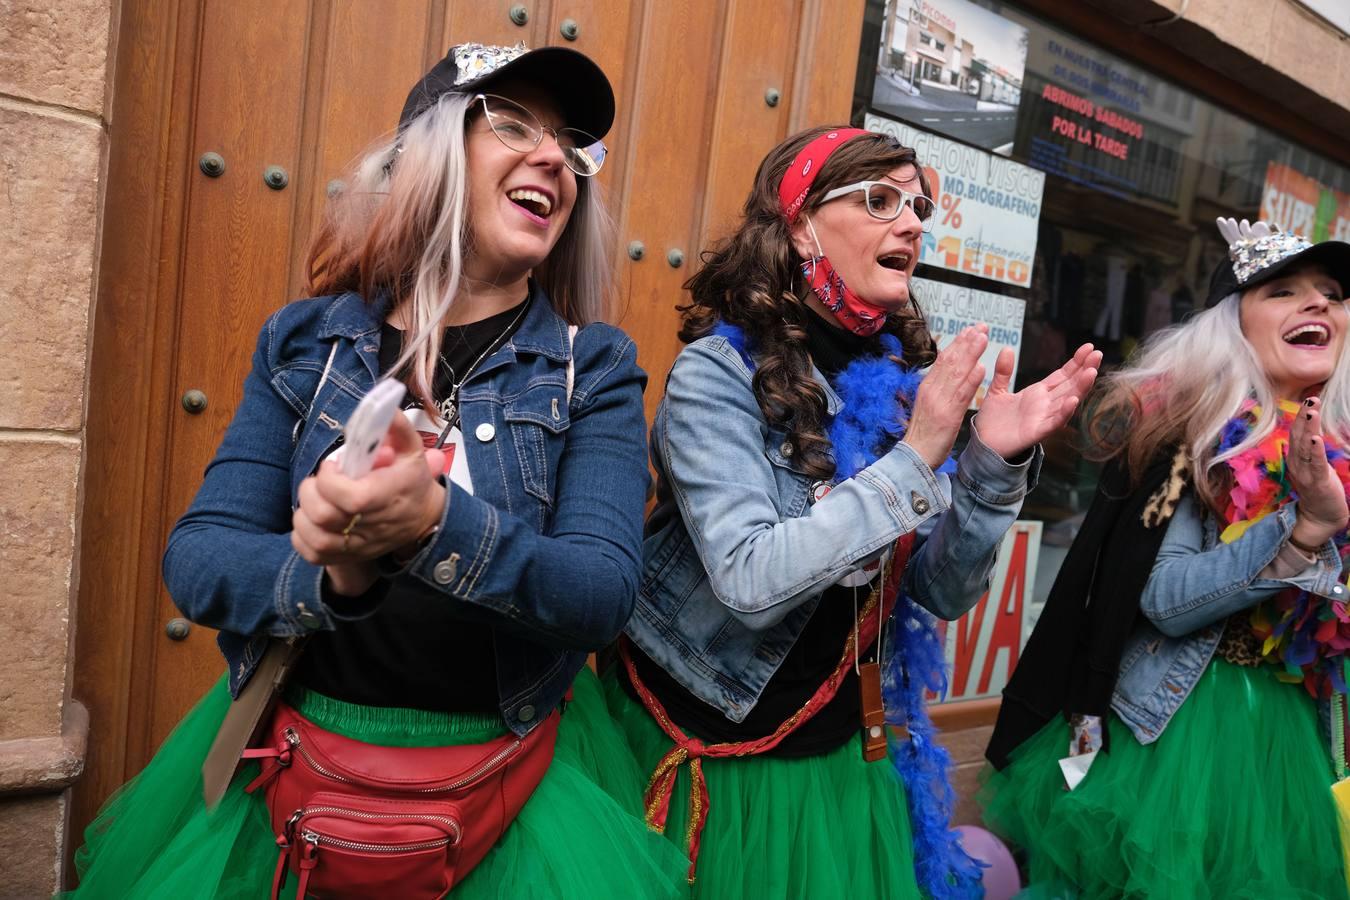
[579,86]
[1254,259]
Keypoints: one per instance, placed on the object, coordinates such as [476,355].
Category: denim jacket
[1196,584]
[546,549]
[739,550]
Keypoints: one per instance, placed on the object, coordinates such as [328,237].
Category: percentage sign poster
[988,207]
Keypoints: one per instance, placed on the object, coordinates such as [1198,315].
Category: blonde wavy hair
[399,230]
[1183,385]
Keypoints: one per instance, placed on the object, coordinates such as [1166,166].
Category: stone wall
[55,62]
[1280,50]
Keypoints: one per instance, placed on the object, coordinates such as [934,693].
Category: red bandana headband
[797,181]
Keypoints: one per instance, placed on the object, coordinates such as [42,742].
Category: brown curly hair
[752,280]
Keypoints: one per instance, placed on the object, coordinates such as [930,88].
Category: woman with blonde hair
[1160,736]
[436,613]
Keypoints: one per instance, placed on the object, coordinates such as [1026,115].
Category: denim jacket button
[918,502]
[527,713]
[485,432]
[1338,590]
[445,571]
[786,449]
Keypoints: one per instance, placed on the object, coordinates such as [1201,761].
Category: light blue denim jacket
[1196,584]
[738,550]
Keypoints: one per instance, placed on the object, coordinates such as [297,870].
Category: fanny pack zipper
[501,756]
[451,825]
[319,840]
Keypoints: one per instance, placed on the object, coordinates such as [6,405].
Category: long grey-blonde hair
[1184,385]
[399,230]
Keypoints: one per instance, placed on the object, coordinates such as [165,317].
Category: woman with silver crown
[440,731]
[1177,725]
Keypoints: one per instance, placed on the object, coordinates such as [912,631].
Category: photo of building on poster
[952,67]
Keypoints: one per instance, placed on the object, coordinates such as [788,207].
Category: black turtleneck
[833,347]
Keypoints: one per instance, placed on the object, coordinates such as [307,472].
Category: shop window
[1076,202]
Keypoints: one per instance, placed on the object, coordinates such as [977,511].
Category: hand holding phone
[366,429]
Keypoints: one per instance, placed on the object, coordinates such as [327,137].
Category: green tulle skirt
[1232,801]
[573,839]
[820,827]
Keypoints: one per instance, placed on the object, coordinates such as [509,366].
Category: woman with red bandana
[805,530]
[1161,736]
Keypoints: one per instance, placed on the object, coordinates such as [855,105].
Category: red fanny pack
[360,820]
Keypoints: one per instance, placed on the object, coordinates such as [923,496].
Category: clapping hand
[945,394]
[1011,423]
[1322,508]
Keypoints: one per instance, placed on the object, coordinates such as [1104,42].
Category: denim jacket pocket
[672,571]
[319,432]
[538,418]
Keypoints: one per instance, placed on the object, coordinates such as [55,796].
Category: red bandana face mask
[852,311]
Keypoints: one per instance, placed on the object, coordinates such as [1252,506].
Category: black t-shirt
[817,650]
[415,651]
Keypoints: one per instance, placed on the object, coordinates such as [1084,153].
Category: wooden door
[194,261]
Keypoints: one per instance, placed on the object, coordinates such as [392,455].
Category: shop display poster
[951,307]
[988,207]
[983,646]
[1304,205]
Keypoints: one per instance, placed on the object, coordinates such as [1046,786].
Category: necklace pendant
[873,712]
[447,409]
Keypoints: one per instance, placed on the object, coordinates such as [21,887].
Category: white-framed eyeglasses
[518,128]
[885,201]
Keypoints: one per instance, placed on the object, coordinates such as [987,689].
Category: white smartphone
[366,429]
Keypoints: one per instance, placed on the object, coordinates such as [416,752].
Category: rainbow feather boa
[1305,636]
[877,395]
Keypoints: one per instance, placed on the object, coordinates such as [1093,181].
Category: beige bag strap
[249,712]
[247,716]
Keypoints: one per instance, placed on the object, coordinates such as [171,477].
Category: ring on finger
[352,523]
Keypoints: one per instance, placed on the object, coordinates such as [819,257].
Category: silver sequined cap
[473,61]
[1253,253]
[577,85]
[1259,251]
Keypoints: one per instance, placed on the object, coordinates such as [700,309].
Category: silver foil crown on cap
[473,61]
[1254,246]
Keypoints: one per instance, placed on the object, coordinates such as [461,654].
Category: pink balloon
[1000,879]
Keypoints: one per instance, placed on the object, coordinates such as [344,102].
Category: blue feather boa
[877,395]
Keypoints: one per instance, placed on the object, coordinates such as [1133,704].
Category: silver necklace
[449,407]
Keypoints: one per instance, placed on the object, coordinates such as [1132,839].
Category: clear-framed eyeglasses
[518,128]
[885,201]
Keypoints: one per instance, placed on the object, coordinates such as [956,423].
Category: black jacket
[1071,662]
